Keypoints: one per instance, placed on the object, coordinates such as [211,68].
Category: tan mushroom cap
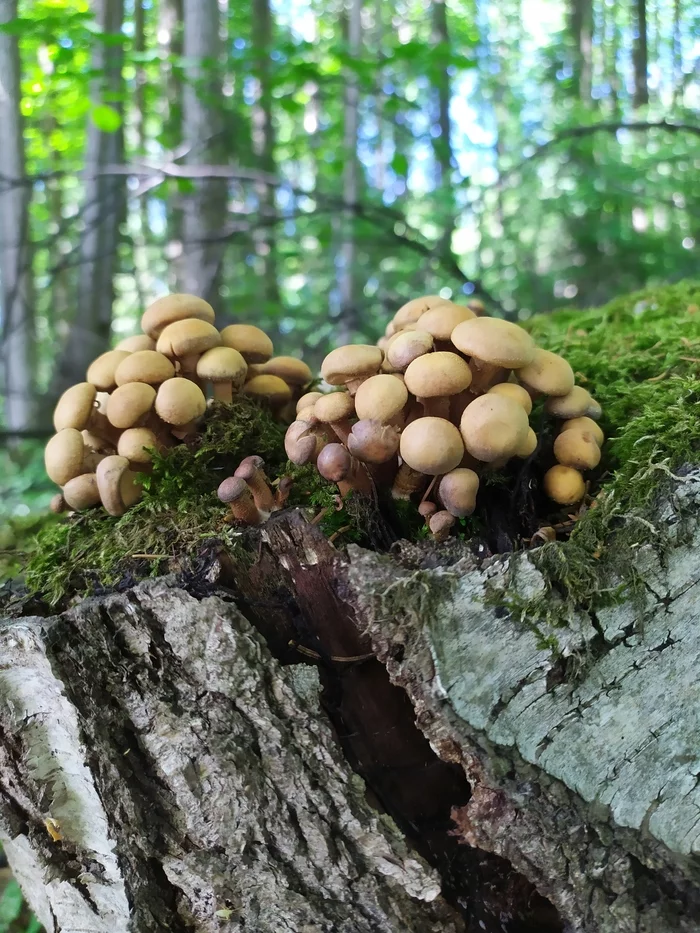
[575,404]
[407,346]
[118,486]
[147,366]
[179,401]
[585,424]
[64,456]
[410,312]
[515,392]
[252,343]
[336,406]
[354,361]
[431,446]
[272,388]
[188,338]
[494,341]
[75,407]
[457,491]
[294,372]
[101,371]
[171,308]
[529,445]
[381,398]
[493,427]
[130,404]
[441,320]
[564,485]
[548,373]
[308,400]
[437,375]
[135,444]
[136,343]
[578,449]
[223,364]
[81,492]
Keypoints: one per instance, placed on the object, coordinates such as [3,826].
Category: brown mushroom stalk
[407,482]
[251,470]
[235,492]
[284,487]
[335,464]
[440,525]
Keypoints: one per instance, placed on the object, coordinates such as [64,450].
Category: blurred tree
[640,55]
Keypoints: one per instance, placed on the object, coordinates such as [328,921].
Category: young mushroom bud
[180,403]
[578,403]
[434,378]
[65,456]
[547,373]
[78,408]
[308,400]
[101,372]
[252,343]
[146,366]
[426,510]
[441,320]
[81,492]
[564,485]
[185,341]
[136,343]
[225,369]
[251,470]
[407,346]
[440,525]
[171,308]
[270,389]
[373,442]
[528,447]
[381,398]
[236,493]
[294,372]
[335,410]
[303,443]
[130,405]
[577,448]
[410,312]
[136,445]
[335,464]
[57,504]
[351,365]
[457,492]
[428,447]
[493,427]
[515,392]
[585,424]
[494,346]
[119,488]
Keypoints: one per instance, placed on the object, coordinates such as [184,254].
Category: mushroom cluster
[149,393]
[446,396]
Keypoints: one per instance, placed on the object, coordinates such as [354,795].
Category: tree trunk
[640,56]
[180,754]
[103,211]
[204,209]
[170,17]
[442,144]
[582,32]
[18,337]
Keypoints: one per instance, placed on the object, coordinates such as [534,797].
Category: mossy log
[297,739]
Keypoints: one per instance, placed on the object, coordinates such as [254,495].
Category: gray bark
[640,55]
[17,348]
[582,31]
[103,211]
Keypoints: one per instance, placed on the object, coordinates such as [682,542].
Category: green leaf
[10,904]
[106,118]
[399,164]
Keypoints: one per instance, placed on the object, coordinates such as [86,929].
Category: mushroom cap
[147,366]
[232,489]
[410,312]
[440,524]
[442,319]
[101,371]
[336,406]
[129,404]
[370,441]
[180,401]
[223,364]
[457,491]
[576,404]
[495,341]
[252,343]
[513,391]
[585,424]
[64,456]
[381,398]
[577,448]
[407,347]
[334,463]
[81,492]
[188,338]
[308,400]
[564,485]
[136,343]
[493,427]
[170,308]
[300,443]
[133,444]
[117,485]
[437,375]
[548,373]
[75,407]
[294,372]
[431,446]
[476,305]
[272,388]
[529,445]
[354,361]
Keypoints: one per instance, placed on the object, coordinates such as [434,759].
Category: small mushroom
[225,369]
[81,492]
[130,405]
[412,310]
[308,400]
[119,487]
[442,319]
[434,378]
[407,346]
[185,341]
[577,448]
[65,456]
[372,441]
[170,308]
[57,504]
[428,447]
[101,372]
[547,373]
[146,366]
[236,493]
[492,345]
[270,389]
[251,470]
[528,447]
[477,306]
[136,445]
[78,408]
[564,485]
[493,428]
[426,509]
[440,525]
[335,464]
[252,343]
[336,409]
[457,492]
[294,372]
[515,392]
[350,365]
[381,398]
[303,443]
[585,424]
[180,403]
[577,403]
[136,343]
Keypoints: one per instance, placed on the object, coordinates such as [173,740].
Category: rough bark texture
[190,769]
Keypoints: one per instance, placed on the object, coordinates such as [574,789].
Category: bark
[190,755]
[640,55]
[582,32]
[204,209]
[103,211]
[170,17]
[18,336]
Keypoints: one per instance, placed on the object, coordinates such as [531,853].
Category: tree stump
[297,739]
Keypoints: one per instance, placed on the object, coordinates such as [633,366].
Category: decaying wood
[222,750]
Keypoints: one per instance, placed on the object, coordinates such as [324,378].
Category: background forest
[308,165]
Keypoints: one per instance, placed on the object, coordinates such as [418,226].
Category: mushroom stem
[338,466]
[223,392]
[284,487]
[484,375]
[236,493]
[435,407]
[407,482]
[251,470]
[440,524]
[342,429]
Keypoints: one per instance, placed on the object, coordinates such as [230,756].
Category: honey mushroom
[493,347]
[349,366]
